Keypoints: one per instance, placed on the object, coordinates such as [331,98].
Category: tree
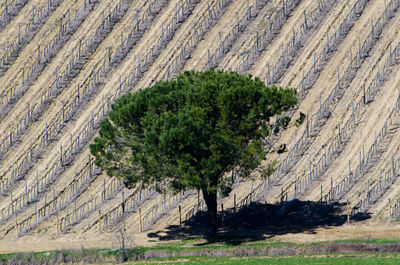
[190,132]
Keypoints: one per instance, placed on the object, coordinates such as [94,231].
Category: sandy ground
[76,127]
[31,96]
[106,240]
[372,118]
[320,89]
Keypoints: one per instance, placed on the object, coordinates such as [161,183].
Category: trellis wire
[343,29]
[91,205]
[182,11]
[59,201]
[332,150]
[285,163]
[319,65]
[66,158]
[199,30]
[244,202]
[29,73]
[257,41]
[274,26]
[150,217]
[336,192]
[383,181]
[104,108]
[11,9]
[312,127]
[311,22]
[154,214]
[128,204]
[33,25]
[62,78]
[389,11]
[116,213]
[394,211]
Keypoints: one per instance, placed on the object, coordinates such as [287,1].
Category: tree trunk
[211,201]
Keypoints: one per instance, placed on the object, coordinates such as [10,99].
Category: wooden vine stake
[180,217]
[16,226]
[99,220]
[57,224]
[140,220]
[348,213]
[390,212]
[222,215]
[234,203]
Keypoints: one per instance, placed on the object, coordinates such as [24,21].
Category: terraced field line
[380,209]
[246,188]
[354,149]
[97,114]
[159,69]
[9,10]
[35,109]
[384,138]
[285,138]
[300,141]
[309,23]
[30,67]
[116,208]
[245,14]
[211,43]
[12,50]
[355,112]
[19,159]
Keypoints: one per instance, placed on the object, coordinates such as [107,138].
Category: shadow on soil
[261,221]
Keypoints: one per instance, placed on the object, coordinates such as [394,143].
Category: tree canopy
[190,132]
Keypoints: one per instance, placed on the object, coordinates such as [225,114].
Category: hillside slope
[63,63]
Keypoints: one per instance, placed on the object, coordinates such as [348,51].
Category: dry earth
[43,236]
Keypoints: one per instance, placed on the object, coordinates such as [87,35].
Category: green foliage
[194,251]
[272,167]
[190,131]
[300,120]
[284,122]
[345,260]
[267,171]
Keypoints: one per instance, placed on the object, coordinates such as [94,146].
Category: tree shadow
[259,221]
